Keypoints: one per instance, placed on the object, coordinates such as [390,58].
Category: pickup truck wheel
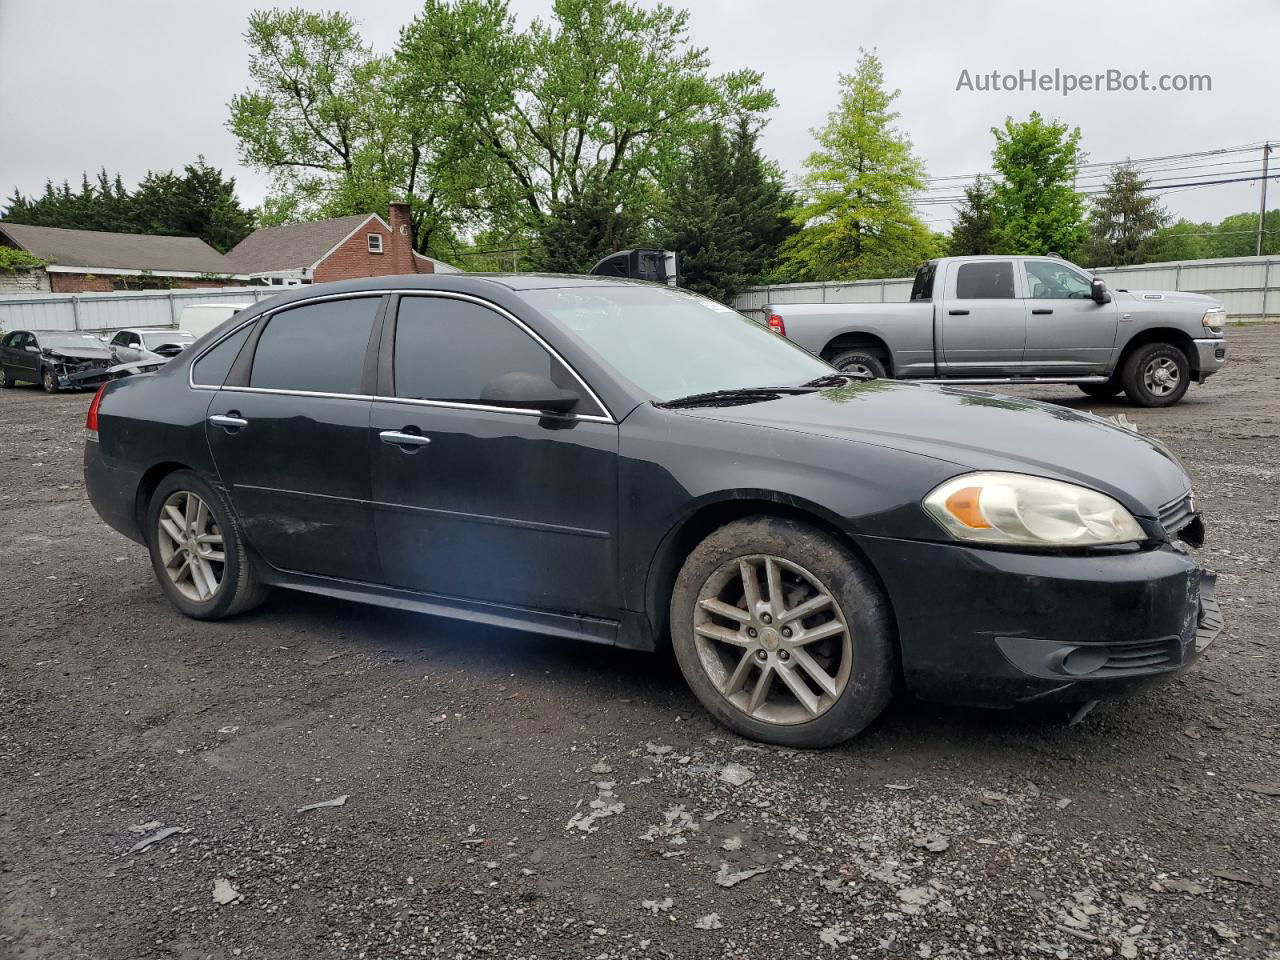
[1156,375]
[1100,391]
[783,634]
[859,363]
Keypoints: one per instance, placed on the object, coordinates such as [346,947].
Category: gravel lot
[511,796]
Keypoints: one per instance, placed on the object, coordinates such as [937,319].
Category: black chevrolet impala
[622,462]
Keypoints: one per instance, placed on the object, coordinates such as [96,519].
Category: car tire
[1156,375]
[205,588]
[1100,391]
[49,380]
[854,647]
[7,380]
[859,362]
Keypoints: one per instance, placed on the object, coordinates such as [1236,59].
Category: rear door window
[922,288]
[317,348]
[985,280]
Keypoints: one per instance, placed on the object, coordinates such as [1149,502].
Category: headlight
[1020,510]
[1213,321]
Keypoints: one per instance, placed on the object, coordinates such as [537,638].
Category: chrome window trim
[449,404]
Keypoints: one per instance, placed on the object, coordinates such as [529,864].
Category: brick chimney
[402,257]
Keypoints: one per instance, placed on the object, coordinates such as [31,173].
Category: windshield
[167,336]
[69,340]
[672,343]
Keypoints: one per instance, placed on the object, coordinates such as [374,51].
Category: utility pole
[1262,205]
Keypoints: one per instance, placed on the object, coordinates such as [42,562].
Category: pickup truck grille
[1176,514]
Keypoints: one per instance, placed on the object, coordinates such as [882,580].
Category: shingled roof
[293,246]
[121,251]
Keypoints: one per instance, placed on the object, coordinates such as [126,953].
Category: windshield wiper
[735,396]
[835,379]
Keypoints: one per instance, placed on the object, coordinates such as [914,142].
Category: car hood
[80,353]
[1199,300]
[976,430]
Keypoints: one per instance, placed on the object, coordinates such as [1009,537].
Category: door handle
[230,421]
[398,439]
[957,313]
[1042,311]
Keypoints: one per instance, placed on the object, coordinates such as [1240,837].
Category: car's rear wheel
[7,379]
[198,550]
[1100,391]
[49,379]
[1156,375]
[860,363]
[783,634]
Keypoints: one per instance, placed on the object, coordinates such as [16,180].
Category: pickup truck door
[1068,332]
[982,320]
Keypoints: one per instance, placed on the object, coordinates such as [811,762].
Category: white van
[199,318]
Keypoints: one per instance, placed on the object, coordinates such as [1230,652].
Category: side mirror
[32,348]
[525,391]
[1099,291]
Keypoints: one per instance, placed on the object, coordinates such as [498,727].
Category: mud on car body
[630,464]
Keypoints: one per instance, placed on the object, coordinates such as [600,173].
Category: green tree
[328,119]
[578,231]
[1237,235]
[1183,240]
[1036,206]
[974,230]
[726,212]
[197,203]
[858,221]
[1124,221]
[575,117]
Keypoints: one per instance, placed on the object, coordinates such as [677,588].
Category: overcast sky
[143,84]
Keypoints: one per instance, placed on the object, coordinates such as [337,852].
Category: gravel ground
[513,796]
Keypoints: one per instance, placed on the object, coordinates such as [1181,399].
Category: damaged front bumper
[96,376]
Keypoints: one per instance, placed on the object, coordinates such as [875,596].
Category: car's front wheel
[49,379]
[783,634]
[198,551]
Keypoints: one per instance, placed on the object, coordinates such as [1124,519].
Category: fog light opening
[1083,660]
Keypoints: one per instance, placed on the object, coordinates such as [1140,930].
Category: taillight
[91,419]
[776,325]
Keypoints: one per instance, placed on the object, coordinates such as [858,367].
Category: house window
[375,243]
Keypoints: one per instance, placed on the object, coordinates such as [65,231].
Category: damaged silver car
[52,358]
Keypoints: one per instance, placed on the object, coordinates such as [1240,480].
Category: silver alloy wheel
[191,546]
[778,650]
[857,369]
[1161,377]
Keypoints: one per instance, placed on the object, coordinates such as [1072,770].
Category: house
[361,245]
[92,260]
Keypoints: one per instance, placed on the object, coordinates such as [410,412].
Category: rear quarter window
[211,369]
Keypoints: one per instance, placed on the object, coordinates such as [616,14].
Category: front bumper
[997,628]
[1211,356]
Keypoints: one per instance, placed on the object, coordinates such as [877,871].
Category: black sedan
[622,462]
[51,358]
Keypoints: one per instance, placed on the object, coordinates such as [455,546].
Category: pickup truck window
[1055,281]
[922,289]
[985,280]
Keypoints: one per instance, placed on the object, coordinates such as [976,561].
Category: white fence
[98,312]
[1248,286]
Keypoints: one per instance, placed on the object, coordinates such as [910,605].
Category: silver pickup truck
[1004,319]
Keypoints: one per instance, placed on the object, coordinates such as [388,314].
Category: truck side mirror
[1099,291]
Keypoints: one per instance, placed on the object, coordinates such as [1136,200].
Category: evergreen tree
[1037,209]
[199,203]
[974,231]
[1124,221]
[725,213]
[858,221]
[577,232]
